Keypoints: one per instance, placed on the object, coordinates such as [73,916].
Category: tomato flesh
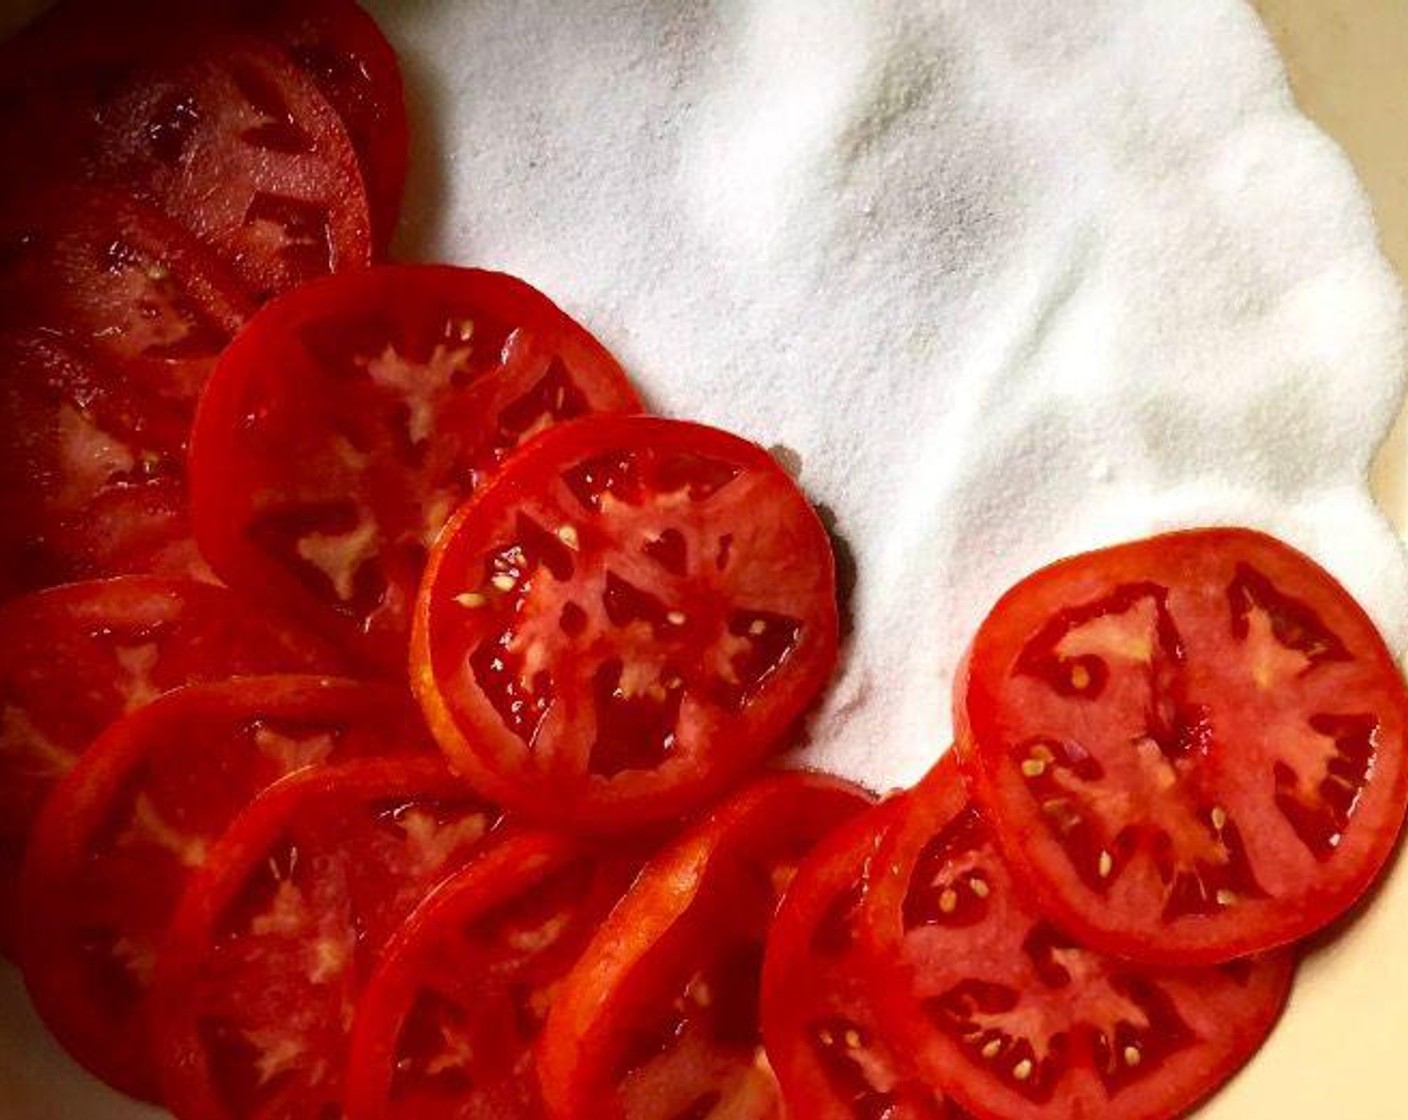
[449,1020]
[111,852]
[75,658]
[819,1019]
[352,416]
[265,959]
[627,617]
[1191,748]
[659,1018]
[1015,1020]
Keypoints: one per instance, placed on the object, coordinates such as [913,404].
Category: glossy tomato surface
[352,416]
[448,1022]
[820,1020]
[1191,748]
[1016,1021]
[75,658]
[659,1018]
[629,616]
[111,853]
[262,966]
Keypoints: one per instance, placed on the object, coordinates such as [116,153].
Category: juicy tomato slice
[659,1018]
[118,281]
[279,929]
[1191,748]
[624,620]
[114,846]
[819,1018]
[75,658]
[351,417]
[447,1024]
[1015,1020]
[90,483]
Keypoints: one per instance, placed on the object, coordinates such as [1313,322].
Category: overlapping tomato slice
[111,853]
[659,1018]
[820,1021]
[75,658]
[628,617]
[1011,1017]
[449,1021]
[351,417]
[262,966]
[1190,748]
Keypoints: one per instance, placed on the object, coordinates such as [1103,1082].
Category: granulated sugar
[1011,278]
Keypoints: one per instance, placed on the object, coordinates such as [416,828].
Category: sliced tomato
[90,484]
[259,974]
[75,658]
[1012,1018]
[659,1018]
[112,850]
[119,282]
[819,1017]
[352,416]
[447,1024]
[1191,748]
[628,617]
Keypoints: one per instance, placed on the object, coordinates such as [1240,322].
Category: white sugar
[1013,278]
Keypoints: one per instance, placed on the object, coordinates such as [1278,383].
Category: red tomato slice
[1191,748]
[90,485]
[351,417]
[820,1023]
[659,1018]
[112,850]
[628,617]
[447,1024]
[1013,1019]
[119,282]
[259,974]
[75,658]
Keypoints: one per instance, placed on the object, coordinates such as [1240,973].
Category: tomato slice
[624,621]
[262,965]
[659,1018]
[353,415]
[447,1024]
[820,1023]
[1191,748]
[124,285]
[112,850]
[90,483]
[1014,1019]
[75,658]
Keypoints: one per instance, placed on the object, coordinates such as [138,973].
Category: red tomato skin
[1245,1017]
[1254,925]
[800,985]
[68,862]
[670,905]
[54,703]
[594,805]
[189,1086]
[246,450]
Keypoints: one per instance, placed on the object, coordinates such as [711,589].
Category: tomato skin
[1016,1021]
[712,891]
[74,658]
[784,572]
[1259,670]
[815,993]
[470,960]
[241,987]
[362,409]
[108,856]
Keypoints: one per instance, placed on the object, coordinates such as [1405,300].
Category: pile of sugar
[1011,278]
